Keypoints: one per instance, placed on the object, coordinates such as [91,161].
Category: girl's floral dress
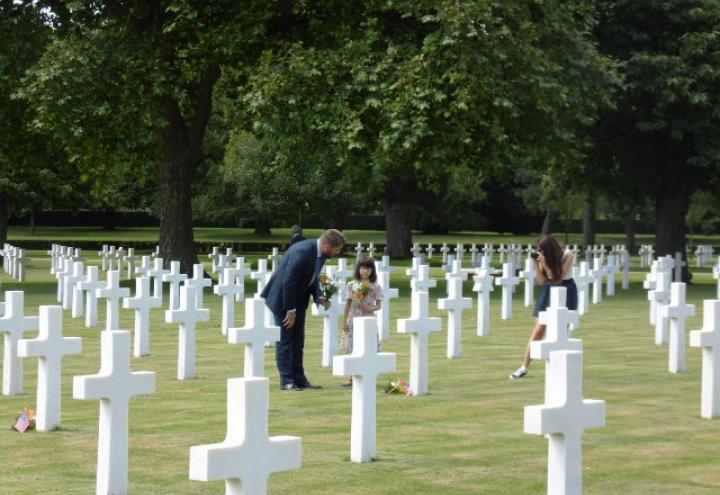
[358,300]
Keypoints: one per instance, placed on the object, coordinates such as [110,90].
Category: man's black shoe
[311,386]
[291,387]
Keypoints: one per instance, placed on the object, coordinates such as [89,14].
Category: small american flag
[22,423]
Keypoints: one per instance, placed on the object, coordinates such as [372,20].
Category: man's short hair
[333,237]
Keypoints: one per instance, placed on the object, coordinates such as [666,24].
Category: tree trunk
[262,227]
[670,214]
[589,224]
[179,150]
[397,230]
[3,221]
[32,222]
[547,226]
[630,231]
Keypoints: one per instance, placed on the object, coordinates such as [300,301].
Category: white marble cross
[483,286]
[528,275]
[112,292]
[229,290]
[262,275]
[364,365]
[174,278]
[187,315]
[625,265]
[157,273]
[649,284]
[49,347]
[677,311]
[114,385]
[14,324]
[74,292]
[429,250]
[716,276]
[60,273]
[358,252]
[274,258]
[241,271]
[678,266]
[413,271]
[419,326]
[609,271]
[343,271]
[371,250]
[709,339]
[597,274]
[583,278]
[423,282]
[145,266]
[445,250]
[563,418]
[90,285]
[661,297]
[142,303]
[559,322]
[199,282]
[455,304]
[130,260]
[383,278]
[330,319]
[247,456]
[254,334]
[214,257]
[508,281]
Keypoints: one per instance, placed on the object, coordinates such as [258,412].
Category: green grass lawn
[465,437]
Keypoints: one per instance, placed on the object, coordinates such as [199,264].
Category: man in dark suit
[287,294]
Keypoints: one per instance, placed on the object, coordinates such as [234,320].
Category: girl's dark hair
[552,252]
[367,262]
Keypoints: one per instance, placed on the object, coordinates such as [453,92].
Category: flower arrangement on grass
[327,287]
[398,387]
[25,420]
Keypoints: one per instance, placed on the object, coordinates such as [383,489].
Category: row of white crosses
[703,255]
[647,255]
[14,261]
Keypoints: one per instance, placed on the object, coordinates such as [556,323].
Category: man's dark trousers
[289,350]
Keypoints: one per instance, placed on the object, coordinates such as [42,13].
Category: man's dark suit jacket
[290,287]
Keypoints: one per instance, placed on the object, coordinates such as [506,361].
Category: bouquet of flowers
[327,287]
[362,290]
[25,420]
[398,387]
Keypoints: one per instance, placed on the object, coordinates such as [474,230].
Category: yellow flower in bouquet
[327,287]
[362,290]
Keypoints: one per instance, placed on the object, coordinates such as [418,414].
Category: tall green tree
[129,86]
[664,135]
[412,97]
[30,162]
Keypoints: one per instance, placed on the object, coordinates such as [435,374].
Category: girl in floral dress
[364,298]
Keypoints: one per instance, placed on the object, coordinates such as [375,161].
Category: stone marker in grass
[247,456]
[364,365]
[114,385]
[49,347]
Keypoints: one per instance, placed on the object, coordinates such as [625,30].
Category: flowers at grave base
[362,290]
[398,387]
[25,420]
[327,287]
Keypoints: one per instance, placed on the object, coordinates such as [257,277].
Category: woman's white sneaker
[519,373]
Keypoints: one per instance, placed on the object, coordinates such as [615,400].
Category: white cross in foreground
[49,347]
[113,293]
[114,385]
[247,456]
[364,365]
[563,418]
[419,326]
[709,339]
[142,303]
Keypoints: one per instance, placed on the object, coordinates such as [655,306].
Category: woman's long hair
[551,250]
